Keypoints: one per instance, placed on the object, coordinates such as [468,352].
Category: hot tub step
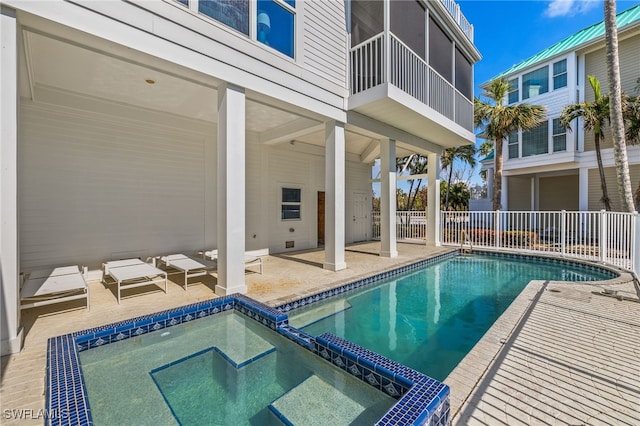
[316,402]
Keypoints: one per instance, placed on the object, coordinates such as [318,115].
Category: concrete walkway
[568,355]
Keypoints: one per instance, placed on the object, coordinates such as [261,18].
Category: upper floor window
[535,83]
[408,24]
[512,144]
[440,51]
[367,20]
[514,94]
[464,75]
[559,136]
[536,140]
[232,13]
[560,74]
[276,25]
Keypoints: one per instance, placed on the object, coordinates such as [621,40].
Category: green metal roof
[489,156]
[576,40]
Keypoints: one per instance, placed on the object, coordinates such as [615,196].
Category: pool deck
[559,354]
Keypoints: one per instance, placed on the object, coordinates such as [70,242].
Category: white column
[334,180]
[490,183]
[231,190]
[532,206]
[10,328]
[504,195]
[388,246]
[433,200]
[583,189]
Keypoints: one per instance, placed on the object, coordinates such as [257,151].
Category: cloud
[560,8]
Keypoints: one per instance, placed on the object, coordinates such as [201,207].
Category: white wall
[96,186]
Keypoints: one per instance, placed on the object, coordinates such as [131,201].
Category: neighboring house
[140,128]
[549,168]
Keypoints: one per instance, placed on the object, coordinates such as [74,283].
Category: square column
[334,181]
[583,189]
[10,328]
[388,246]
[433,200]
[231,190]
[504,195]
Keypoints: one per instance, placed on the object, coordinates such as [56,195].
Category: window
[408,24]
[559,136]
[291,203]
[440,51]
[185,2]
[536,141]
[535,83]
[276,25]
[464,73]
[512,144]
[560,74]
[233,13]
[367,20]
[514,94]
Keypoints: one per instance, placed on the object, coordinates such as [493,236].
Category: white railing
[410,73]
[410,225]
[608,237]
[454,11]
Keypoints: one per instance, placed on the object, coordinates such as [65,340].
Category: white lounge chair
[130,273]
[53,285]
[251,258]
[191,266]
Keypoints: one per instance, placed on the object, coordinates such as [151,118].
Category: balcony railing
[410,73]
[454,10]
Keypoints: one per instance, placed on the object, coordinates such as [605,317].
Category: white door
[360,224]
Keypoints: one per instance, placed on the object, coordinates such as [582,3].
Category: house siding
[595,191]
[559,193]
[324,39]
[93,188]
[519,193]
[596,64]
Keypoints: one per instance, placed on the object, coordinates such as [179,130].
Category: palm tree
[464,153]
[617,121]
[594,115]
[631,112]
[416,164]
[497,121]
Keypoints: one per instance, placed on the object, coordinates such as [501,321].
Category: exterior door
[320,218]
[361,207]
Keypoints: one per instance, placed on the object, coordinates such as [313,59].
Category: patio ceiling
[97,69]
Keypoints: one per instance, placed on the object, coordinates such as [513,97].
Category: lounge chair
[53,285]
[130,273]
[191,266]
[251,258]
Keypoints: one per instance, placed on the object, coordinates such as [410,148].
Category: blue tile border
[66,395]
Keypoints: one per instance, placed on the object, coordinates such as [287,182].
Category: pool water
[221,370]
[430,319]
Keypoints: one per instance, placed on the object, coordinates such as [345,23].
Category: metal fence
[410,225]
[609,237]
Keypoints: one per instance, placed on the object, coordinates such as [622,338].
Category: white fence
[608,237]
[410,225]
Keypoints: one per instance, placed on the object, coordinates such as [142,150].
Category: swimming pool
[430,318]
[230,360]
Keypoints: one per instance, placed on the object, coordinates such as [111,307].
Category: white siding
[596,64]
[94,187]
[289,168]
[325,39]
[595,190]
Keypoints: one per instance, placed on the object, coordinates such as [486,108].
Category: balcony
[376,63]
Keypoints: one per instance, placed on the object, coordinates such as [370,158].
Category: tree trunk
[615,101]
[497,175]
[603,183]
[446,195]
